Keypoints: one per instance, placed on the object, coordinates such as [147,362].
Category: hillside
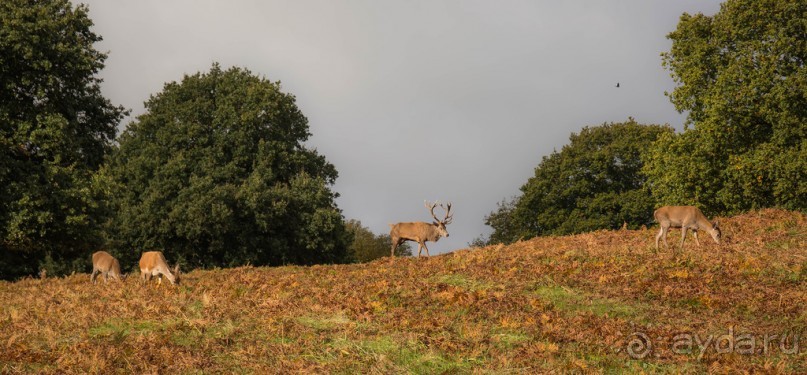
[580,303]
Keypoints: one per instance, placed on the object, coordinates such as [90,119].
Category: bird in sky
[617,84]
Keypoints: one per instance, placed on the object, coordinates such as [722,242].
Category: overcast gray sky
[415,100]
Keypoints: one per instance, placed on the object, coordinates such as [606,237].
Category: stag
[686,218]
[152,263]
[106,264]
[421,232]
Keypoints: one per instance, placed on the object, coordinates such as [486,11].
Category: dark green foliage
[742,79]
[215,173]
[505,229]
[594,182]
[55,129]
[367,246]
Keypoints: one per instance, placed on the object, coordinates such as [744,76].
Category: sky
[414,100]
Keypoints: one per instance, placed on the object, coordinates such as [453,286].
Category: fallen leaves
[539,305]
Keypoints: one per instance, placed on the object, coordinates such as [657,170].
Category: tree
[741,77]
[216,174]
[501,220]
[56,128]
[594,182]
[367,246]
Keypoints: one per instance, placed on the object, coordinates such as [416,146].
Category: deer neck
[704,223]
[170,276]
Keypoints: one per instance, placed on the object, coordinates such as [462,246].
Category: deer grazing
[152,263]
[421,232]
[106,264]
[686,218]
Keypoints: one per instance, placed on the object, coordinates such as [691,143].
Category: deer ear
[716,224]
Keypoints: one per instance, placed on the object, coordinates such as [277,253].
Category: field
[602,302]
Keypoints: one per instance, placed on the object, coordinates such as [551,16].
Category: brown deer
[106,264]
[152,263]
[686,218]
[421,232]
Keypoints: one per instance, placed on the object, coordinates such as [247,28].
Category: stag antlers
[449,217]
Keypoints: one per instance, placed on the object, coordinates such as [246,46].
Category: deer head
[441,224]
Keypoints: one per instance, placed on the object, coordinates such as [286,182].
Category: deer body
[686,218]
[152,263]
[420,232]
[106,264]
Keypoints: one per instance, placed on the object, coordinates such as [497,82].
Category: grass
[410,356]
[121,329]
[326,323]
[561,304]
[572,301]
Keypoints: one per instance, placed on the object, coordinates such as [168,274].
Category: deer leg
[665,237]
[658,236]
[683,236]
[663,234]
[395,243]
[427,249]
[695,234]
[92,277]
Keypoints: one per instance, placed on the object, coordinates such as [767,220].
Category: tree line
[216,168]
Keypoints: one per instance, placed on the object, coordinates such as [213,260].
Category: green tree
[366,246]
[741,77]
[594,182]
[55,129]
[505,230]
[216,174]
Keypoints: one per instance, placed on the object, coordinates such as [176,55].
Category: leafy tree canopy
[55,129]
[594,182]
[741,77]
[216,174]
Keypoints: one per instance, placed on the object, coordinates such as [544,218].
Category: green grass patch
[383,354]
[188,336]
[195,308]
[188,339]
[691,303]
[510,340]
[784,244]
[177,331]
[324,323]
[785,274]
[412,357]
[119,329]
[572,301]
